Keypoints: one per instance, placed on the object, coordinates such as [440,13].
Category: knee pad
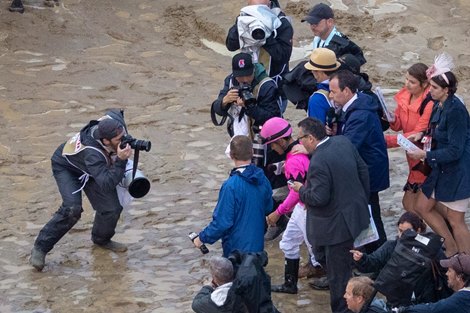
[73,213]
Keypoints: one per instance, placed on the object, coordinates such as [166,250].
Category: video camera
[136,144]
[245,92]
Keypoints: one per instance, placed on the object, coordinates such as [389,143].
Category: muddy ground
[163,62]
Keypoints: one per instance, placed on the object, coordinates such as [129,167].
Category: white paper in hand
[368,235]
[380,95]
[406,144]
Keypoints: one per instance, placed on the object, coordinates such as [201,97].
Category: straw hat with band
[322,59]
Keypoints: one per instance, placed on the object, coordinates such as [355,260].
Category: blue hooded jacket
[239,216]
[361,125]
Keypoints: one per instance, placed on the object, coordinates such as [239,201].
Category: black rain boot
[291,277]
[16,6]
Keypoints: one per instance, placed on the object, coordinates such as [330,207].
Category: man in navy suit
[360,123]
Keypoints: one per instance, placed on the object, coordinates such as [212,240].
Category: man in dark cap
[322,24]
[234,99]
[299,84]
[92,161]
[458,278]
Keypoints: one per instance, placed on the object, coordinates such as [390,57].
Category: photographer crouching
[94,160]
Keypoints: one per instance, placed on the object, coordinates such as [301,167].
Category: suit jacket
[336,193]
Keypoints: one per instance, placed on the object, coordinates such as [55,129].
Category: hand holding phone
[290,182]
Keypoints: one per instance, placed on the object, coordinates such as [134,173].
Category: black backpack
[410,269]
[252,283]
[298,85]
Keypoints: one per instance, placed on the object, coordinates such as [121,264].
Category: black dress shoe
[320,283]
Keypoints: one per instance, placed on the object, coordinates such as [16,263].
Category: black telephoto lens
[258,34]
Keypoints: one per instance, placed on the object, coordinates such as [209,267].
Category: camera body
[203,248]
[136,144]
[245,92]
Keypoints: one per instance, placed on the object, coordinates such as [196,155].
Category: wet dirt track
[61,67]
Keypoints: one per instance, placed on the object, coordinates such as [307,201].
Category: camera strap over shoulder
[258,86]
[214,117]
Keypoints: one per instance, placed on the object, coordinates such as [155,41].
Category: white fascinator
[443,63]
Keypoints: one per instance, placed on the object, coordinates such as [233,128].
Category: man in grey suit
[335,196]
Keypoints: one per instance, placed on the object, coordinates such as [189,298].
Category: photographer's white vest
[74,146]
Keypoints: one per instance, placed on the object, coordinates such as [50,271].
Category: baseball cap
[242,65]
[350,62]
[459,263]
[319,12]
[108,129]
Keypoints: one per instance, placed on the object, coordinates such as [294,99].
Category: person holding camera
[219,296]
[244,201]
[249,97]
[94,161]
[275,49]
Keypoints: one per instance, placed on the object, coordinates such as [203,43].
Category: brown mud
[63,66]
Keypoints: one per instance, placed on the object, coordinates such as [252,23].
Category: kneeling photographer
[249,98]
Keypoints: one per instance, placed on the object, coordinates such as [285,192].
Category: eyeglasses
[302,137]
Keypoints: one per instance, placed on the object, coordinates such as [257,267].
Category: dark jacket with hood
[94,160]
[238,219]
[203,302]
[267,98]
[360,124]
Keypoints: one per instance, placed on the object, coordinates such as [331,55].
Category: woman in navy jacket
[448,155]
